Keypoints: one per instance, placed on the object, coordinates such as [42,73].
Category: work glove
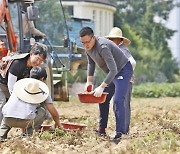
[98,91]
[88,87]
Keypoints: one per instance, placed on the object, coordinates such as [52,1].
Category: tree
[51,20]
[149,37]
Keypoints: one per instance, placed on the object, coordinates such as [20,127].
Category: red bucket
[71,126]
[90,98]
[46,128]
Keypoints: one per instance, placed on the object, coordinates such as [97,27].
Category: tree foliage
[148,37]
[51,20]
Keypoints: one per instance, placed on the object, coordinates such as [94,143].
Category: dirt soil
[155,128]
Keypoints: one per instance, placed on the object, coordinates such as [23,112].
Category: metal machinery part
[52,22]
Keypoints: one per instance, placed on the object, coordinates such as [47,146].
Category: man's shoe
[24,135]
[117,138]
[101,133]
[2,139]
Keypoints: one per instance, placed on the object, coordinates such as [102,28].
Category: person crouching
[21,109]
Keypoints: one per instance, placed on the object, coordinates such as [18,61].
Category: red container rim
[90,98]
[72,126]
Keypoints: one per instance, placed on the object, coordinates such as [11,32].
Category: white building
[100,11]
[174,23]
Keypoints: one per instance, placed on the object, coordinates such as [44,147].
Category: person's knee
[2,100]
[41,112]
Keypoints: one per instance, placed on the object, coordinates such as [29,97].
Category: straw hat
[117,33]
[31,90]
[29,1]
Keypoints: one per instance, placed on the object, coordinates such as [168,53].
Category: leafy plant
[157,90]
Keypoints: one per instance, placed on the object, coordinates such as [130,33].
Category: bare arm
[35,31]
[54,113]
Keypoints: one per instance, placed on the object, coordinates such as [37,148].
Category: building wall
[101,14]
[174,23]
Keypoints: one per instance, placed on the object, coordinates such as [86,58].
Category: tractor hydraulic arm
[5,16]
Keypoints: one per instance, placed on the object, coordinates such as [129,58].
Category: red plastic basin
[90,98]
[70,126]
[66,126]
[46,127]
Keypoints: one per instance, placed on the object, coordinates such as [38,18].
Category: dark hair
[39,49]
[38,72]
[86,31]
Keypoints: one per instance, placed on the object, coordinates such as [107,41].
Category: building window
[94,21]
[94,15]
[106,23]
[70,10]
[109,25]
[100,23]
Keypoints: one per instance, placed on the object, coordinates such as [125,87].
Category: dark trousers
[4,95]
[29,125]
[120,88]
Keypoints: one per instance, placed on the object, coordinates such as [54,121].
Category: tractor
[48,16]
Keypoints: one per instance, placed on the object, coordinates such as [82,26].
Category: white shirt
[127,54]
[16,108]
[132,61]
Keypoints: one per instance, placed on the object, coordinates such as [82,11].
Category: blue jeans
[120,88]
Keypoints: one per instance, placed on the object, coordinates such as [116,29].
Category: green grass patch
[154,142]
[155,90]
